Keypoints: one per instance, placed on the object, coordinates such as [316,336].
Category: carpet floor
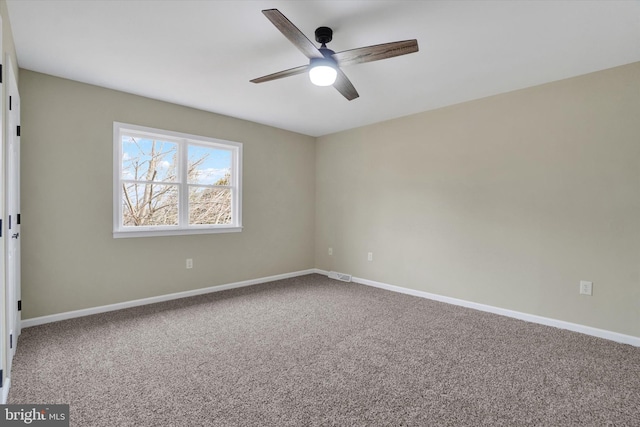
[311,351]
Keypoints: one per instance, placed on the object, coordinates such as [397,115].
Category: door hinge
[18,130]
[9,102]
[18,219]
[1,377]
[19,305]
[9,222]
[0,227]
[0,82]
[10,340]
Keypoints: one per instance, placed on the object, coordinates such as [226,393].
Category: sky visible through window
[213,164]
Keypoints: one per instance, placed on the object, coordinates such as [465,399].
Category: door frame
[4,380]
[12,214]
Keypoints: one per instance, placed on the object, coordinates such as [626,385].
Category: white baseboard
[5,391]
[588,330]
[144,301]
[575,327]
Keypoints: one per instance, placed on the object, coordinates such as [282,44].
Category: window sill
[175,232]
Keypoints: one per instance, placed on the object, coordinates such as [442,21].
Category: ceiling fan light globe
[322,75]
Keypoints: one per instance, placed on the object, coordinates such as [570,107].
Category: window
[168,183]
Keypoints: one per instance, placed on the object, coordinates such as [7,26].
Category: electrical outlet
[330,251]
[370,256]
[586,288]
[189,263]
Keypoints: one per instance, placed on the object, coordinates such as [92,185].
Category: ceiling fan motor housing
[324,35]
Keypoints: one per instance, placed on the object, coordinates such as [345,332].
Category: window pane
[209,205]
[209,166]
[149,160]
[149,204]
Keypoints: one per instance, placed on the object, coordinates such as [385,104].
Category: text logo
[34,415]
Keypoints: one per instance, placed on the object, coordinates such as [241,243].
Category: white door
[2,234]
[12,221]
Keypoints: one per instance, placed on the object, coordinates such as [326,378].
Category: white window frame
[183,140]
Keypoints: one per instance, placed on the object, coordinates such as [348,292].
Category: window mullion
[236,210]
[234,183]
[183,200]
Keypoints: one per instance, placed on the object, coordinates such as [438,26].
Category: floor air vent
[339,276]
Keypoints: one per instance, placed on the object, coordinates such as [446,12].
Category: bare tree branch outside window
[151,185]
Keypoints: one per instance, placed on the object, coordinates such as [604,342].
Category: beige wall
[508,201]
[71,261]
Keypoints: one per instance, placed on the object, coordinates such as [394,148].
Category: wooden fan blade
[281,74]
[344,86]
[292,32]
[376,52]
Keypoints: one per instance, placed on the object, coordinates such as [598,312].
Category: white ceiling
[202,53]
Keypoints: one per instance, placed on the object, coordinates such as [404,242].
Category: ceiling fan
[324,64]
